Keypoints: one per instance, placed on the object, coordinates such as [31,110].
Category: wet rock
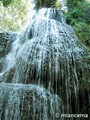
[5,42]
[57,15]
[49,54]
[28,102]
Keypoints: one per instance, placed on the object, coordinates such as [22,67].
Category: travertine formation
[46,67]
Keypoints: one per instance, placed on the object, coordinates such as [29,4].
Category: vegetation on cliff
[78,16]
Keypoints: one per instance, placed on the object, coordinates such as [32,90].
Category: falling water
[40,72]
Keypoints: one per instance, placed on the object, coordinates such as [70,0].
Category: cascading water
[40,76]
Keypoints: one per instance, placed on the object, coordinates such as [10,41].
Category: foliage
[6,2]
[83,32]
[86,13]
[79,17]
[46,3]
[74,11]
[14,15]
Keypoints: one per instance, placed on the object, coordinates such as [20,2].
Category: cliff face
[27,102]
[48,54]
[5,42]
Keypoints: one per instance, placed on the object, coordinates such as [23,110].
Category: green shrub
[83,32]
[6,2]
[79,17]
[45,3]
[86,13]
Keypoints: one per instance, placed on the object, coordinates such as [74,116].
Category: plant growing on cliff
[79,17]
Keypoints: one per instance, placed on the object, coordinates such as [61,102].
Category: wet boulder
[27,102]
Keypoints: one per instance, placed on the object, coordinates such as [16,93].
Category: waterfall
[40,76]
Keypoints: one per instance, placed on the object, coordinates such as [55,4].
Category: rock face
[27,102]
[5,42]
[48,54]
